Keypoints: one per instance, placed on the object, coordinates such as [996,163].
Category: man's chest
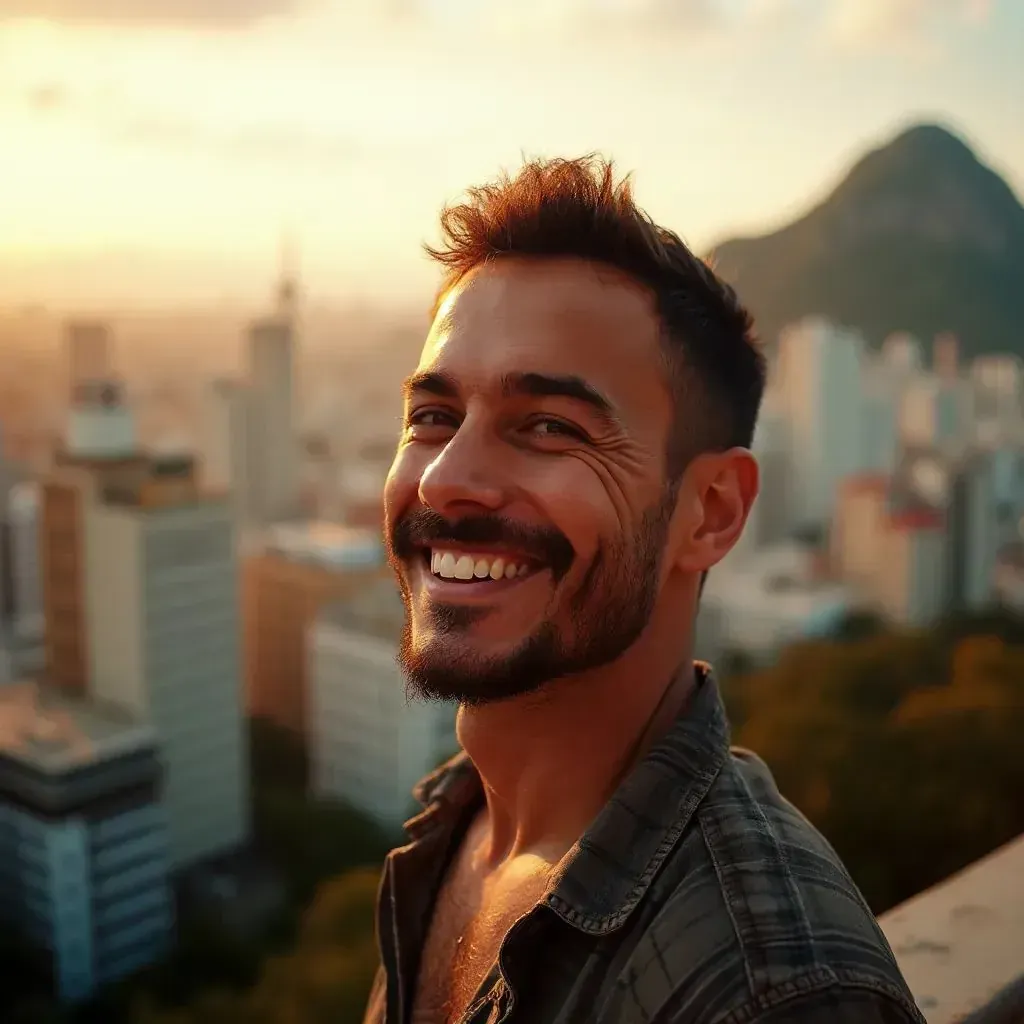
[470,920]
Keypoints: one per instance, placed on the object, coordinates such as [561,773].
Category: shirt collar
[612,865]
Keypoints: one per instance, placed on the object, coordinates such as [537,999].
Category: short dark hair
[576,208]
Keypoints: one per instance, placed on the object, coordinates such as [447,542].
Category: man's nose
[467,472]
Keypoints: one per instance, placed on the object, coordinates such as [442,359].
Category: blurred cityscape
[201,719]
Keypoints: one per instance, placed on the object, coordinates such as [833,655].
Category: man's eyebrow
[532,385]
[431,382]
[543,385]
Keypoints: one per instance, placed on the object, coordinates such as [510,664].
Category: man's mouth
[467,566]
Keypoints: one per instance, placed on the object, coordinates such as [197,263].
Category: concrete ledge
[1006,1008]
[960,944]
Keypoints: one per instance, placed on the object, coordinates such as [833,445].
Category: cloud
[556,22]
[259,143]
[186,13]
[47,97]
[899,24]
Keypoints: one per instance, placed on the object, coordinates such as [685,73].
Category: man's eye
[430,419]
[554,428]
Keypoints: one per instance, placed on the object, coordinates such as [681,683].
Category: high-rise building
[369,743]
[272,448]
[164,640]
[775,516]
[911,570]
[858,529]
[83,838]
[299,568]
[224,454]
[986,505]
[883,399]
[819,374]
[99,453]
[142,611]
[273,452]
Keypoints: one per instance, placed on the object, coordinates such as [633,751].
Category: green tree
[902,747]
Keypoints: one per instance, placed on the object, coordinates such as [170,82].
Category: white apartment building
[162,608]
[83,839]
[369,744]
[819,374]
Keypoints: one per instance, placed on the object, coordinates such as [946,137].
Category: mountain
[920,236]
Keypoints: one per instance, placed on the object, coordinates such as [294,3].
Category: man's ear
[716,494]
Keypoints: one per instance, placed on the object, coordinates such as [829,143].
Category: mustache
[425,528]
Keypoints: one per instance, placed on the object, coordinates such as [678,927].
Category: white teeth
[468,567]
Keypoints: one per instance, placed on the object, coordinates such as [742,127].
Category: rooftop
[55,733]
[960,944]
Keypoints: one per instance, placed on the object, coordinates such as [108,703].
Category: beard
[592,627]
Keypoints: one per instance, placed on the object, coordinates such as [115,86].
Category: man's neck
[550,761]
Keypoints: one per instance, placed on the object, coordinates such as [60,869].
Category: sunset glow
[193,140]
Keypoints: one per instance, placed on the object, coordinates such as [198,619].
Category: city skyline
[159,150]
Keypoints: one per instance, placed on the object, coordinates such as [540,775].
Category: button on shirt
[698,896]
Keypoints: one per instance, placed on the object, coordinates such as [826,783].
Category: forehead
[553,316]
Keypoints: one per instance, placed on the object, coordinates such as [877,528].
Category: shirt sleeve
[833,1005]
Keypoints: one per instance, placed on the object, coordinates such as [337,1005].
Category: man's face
[527,507]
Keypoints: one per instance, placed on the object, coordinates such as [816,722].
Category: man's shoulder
[783,884]
[755,906]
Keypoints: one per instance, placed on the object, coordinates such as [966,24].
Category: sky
[157,151]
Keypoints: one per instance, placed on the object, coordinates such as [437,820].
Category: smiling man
[574,459]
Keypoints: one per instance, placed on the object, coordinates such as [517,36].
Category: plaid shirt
[698,896]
